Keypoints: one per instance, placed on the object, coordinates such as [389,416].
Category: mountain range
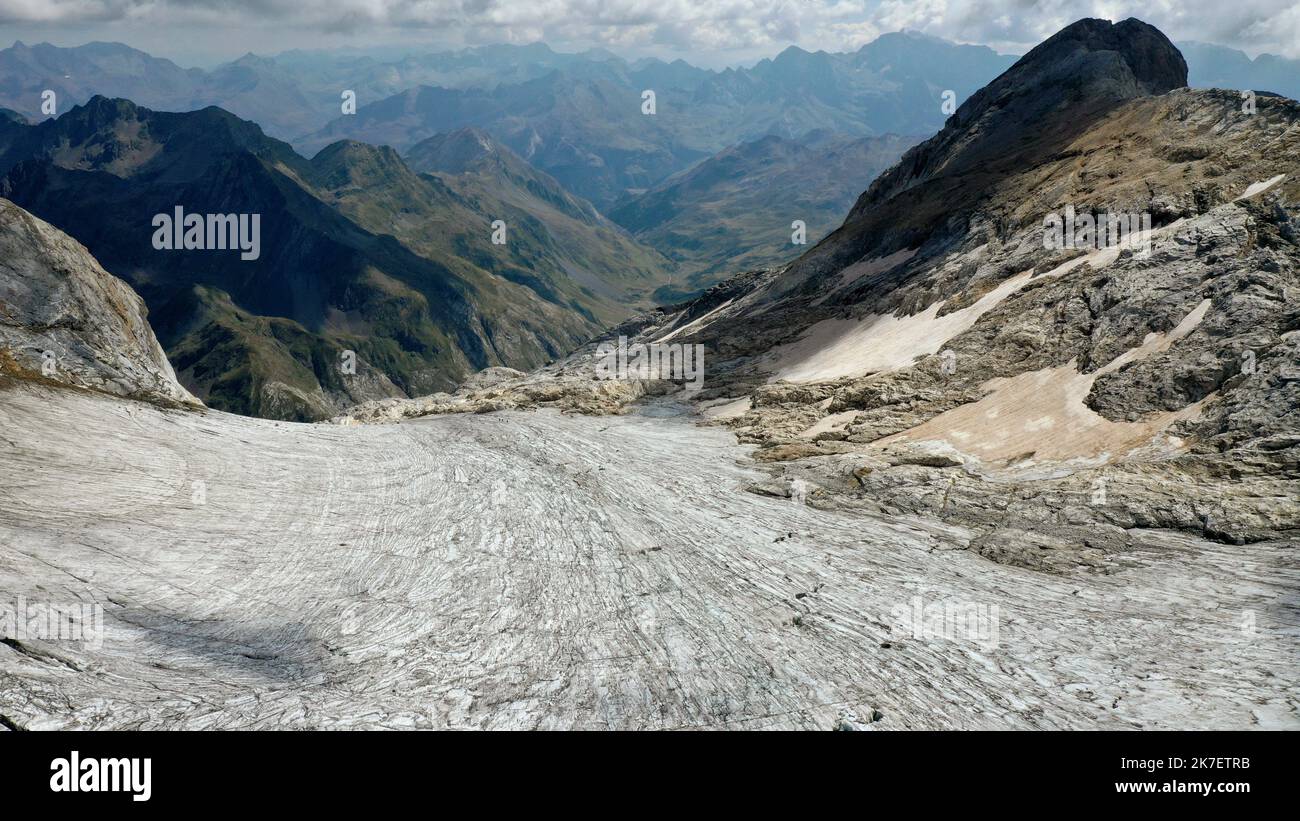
[933,355]
[936,356]
[1086,450]
[588,130]
[734,211]
[359,253]
[706,186]
[577,117]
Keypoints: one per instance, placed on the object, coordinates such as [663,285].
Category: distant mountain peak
[348,162]
[251,59]
[458,151]
[911,34]
[100,109]
[795,55]
[355,148]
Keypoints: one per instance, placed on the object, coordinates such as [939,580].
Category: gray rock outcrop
[64,319]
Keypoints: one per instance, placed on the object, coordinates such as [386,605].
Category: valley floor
[535,570]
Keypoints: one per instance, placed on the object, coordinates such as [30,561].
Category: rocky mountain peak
[1031,112]
[349,160]
[1053,92]
[100,110]
[1087,61]
[456,152]
[1151,56]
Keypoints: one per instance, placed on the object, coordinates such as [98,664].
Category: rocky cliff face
[64,319]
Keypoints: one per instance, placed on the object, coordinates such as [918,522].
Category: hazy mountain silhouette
[734,211]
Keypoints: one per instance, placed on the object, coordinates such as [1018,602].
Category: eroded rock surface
[546,570]
[65,319]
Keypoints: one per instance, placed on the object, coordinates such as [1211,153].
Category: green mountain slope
[358,253]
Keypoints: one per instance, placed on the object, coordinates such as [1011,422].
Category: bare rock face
[64,319]
[568,386]
[1081,71]
[490,377]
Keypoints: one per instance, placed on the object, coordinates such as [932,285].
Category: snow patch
[1257,188]
[839,348]
[1041,415]
[727,409]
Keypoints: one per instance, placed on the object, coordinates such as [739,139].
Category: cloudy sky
[705,32]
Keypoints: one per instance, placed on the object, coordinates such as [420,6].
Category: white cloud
[724,29]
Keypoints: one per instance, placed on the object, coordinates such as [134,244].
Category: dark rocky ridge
[1049,98]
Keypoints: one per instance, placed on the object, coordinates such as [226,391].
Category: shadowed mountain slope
[358,253]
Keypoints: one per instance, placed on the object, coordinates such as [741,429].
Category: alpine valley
[938,473]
